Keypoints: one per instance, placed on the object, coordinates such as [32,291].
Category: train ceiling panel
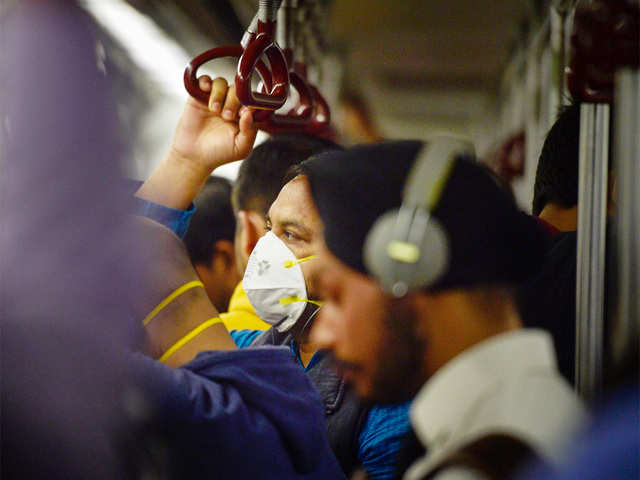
[464,39]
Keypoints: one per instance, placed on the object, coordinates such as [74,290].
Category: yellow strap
[180,343]
[296,299]
[293,263]
[179,291]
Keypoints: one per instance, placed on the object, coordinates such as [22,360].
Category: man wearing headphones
[419,301]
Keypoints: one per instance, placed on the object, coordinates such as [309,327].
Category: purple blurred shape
[66,267]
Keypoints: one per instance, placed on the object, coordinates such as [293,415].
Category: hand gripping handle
[190,78]
[190,73]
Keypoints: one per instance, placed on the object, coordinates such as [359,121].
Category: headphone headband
[430,172]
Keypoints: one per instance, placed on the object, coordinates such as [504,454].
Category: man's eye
[290,235]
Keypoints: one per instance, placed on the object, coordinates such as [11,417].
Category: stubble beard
[399,374]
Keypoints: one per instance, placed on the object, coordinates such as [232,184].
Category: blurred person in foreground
[75,402]
[422,303]
[63,298]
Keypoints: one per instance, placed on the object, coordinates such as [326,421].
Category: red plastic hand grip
[300,115]
[605,37]
[190,73]
[277,89]
[190,78]
[321,114]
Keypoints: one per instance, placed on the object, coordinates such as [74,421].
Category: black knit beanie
[490,240]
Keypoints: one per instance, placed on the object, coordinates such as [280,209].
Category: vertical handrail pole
[626,328]
[591,252]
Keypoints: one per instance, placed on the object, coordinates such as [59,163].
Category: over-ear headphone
[407,248]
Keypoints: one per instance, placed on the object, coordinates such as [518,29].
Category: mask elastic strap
[188,337]
[176,293]
[296,299]
[293,263]
[311,317]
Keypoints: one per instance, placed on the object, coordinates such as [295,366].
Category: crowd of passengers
[380,311]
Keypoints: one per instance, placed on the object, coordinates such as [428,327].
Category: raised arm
[206,137]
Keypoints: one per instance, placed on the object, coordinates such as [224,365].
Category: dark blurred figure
[64,298]
[209,241]
[548,300]
[555,192]
[357,124]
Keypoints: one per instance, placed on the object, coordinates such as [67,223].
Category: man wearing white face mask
[274,283]
[281,283]
[359,436]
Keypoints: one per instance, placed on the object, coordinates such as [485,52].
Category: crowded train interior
[320,239]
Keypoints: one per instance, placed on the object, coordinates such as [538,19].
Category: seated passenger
[209,241]
[359,435]
[433,312]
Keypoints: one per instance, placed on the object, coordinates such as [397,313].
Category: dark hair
[557,172]
[213,220]
[260,175]
[294,171]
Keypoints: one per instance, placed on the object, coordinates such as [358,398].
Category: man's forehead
[295,204]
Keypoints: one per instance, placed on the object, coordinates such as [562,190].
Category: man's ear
[225,253]
[253,227]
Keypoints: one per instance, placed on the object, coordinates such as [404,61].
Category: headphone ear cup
[401,265]
[379,264]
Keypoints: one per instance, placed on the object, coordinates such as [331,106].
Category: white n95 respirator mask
[274,283]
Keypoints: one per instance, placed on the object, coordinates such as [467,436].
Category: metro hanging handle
[190,73]
[605,38]
[320,123]
[275,91]
[322,114]
[300,115]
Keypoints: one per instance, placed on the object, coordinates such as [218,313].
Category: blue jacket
[249,413]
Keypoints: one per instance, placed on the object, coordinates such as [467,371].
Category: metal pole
[592,210]
[627,164]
